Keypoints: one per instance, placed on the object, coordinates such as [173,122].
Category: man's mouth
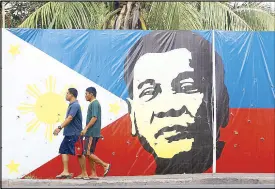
[175,133]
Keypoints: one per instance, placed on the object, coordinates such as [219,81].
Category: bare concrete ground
[157,181]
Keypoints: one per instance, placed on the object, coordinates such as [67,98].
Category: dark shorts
[68,144]
[89,145]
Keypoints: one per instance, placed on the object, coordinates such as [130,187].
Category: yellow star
[114,108]
[13,167]
[14,50]
[81,108]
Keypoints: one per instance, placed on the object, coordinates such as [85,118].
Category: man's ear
[132,115]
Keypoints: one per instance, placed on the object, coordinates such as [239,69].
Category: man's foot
[86,178]
[64,176]
[82,176]
[79,177]
[107,169]
[93,177]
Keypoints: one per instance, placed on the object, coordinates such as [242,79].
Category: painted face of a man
[165,101]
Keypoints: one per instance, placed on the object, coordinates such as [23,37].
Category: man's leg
[93,169]
[64,151]
[90,149]
[81,158]
[95,159]
[65,161]
[82,163]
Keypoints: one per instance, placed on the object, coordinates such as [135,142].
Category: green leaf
[67,15]
[257,19]
[157,16]
[173,16]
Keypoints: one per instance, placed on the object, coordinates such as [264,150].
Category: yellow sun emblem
[49,108]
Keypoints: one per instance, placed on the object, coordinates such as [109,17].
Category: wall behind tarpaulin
[157,95]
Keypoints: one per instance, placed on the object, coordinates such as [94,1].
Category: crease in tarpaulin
[265,64]
[247,45]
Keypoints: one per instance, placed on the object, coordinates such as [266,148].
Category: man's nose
[168,106]
[171,113]
[169,100]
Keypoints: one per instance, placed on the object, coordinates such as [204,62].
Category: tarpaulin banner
[164,96]
[248,59]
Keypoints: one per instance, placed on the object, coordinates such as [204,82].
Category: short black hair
[73,91]
[91,90]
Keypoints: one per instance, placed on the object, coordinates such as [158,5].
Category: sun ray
[50,84]
[48,108]
[65,89]
[51,131]
[25,108]
[32,121]
[35,128]
[54,83]
[31,125]
[47,130]
[34,91]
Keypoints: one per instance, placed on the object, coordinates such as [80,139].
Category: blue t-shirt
[75,126]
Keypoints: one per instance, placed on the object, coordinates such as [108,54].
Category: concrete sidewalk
[185,180]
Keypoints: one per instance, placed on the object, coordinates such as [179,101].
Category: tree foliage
[17,12]
[153,16]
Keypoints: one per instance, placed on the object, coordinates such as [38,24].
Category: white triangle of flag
[34,87]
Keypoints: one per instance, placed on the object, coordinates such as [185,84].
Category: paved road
[191,186]
[167,185]
[156,181]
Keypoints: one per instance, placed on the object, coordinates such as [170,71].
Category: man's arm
[95,111]
[72,112]
[66,122]
[91,123]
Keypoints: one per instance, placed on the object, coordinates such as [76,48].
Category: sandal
[64,176]
[93,178]
[79,177]
[107,170]
[86,178]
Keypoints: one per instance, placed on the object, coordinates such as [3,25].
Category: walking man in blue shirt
[72,128]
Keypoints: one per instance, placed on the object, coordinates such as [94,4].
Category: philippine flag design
[40,65]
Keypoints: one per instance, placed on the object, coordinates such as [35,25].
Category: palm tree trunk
[119,20]
[109,17]
[127,17]
[136,15]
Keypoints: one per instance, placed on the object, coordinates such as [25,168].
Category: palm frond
[257,18]
[219,16]
[67,15]
[172,16]
[157,16]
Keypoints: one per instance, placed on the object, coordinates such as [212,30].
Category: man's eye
[188,88]
[185,84]
[150,93]
[147,91]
